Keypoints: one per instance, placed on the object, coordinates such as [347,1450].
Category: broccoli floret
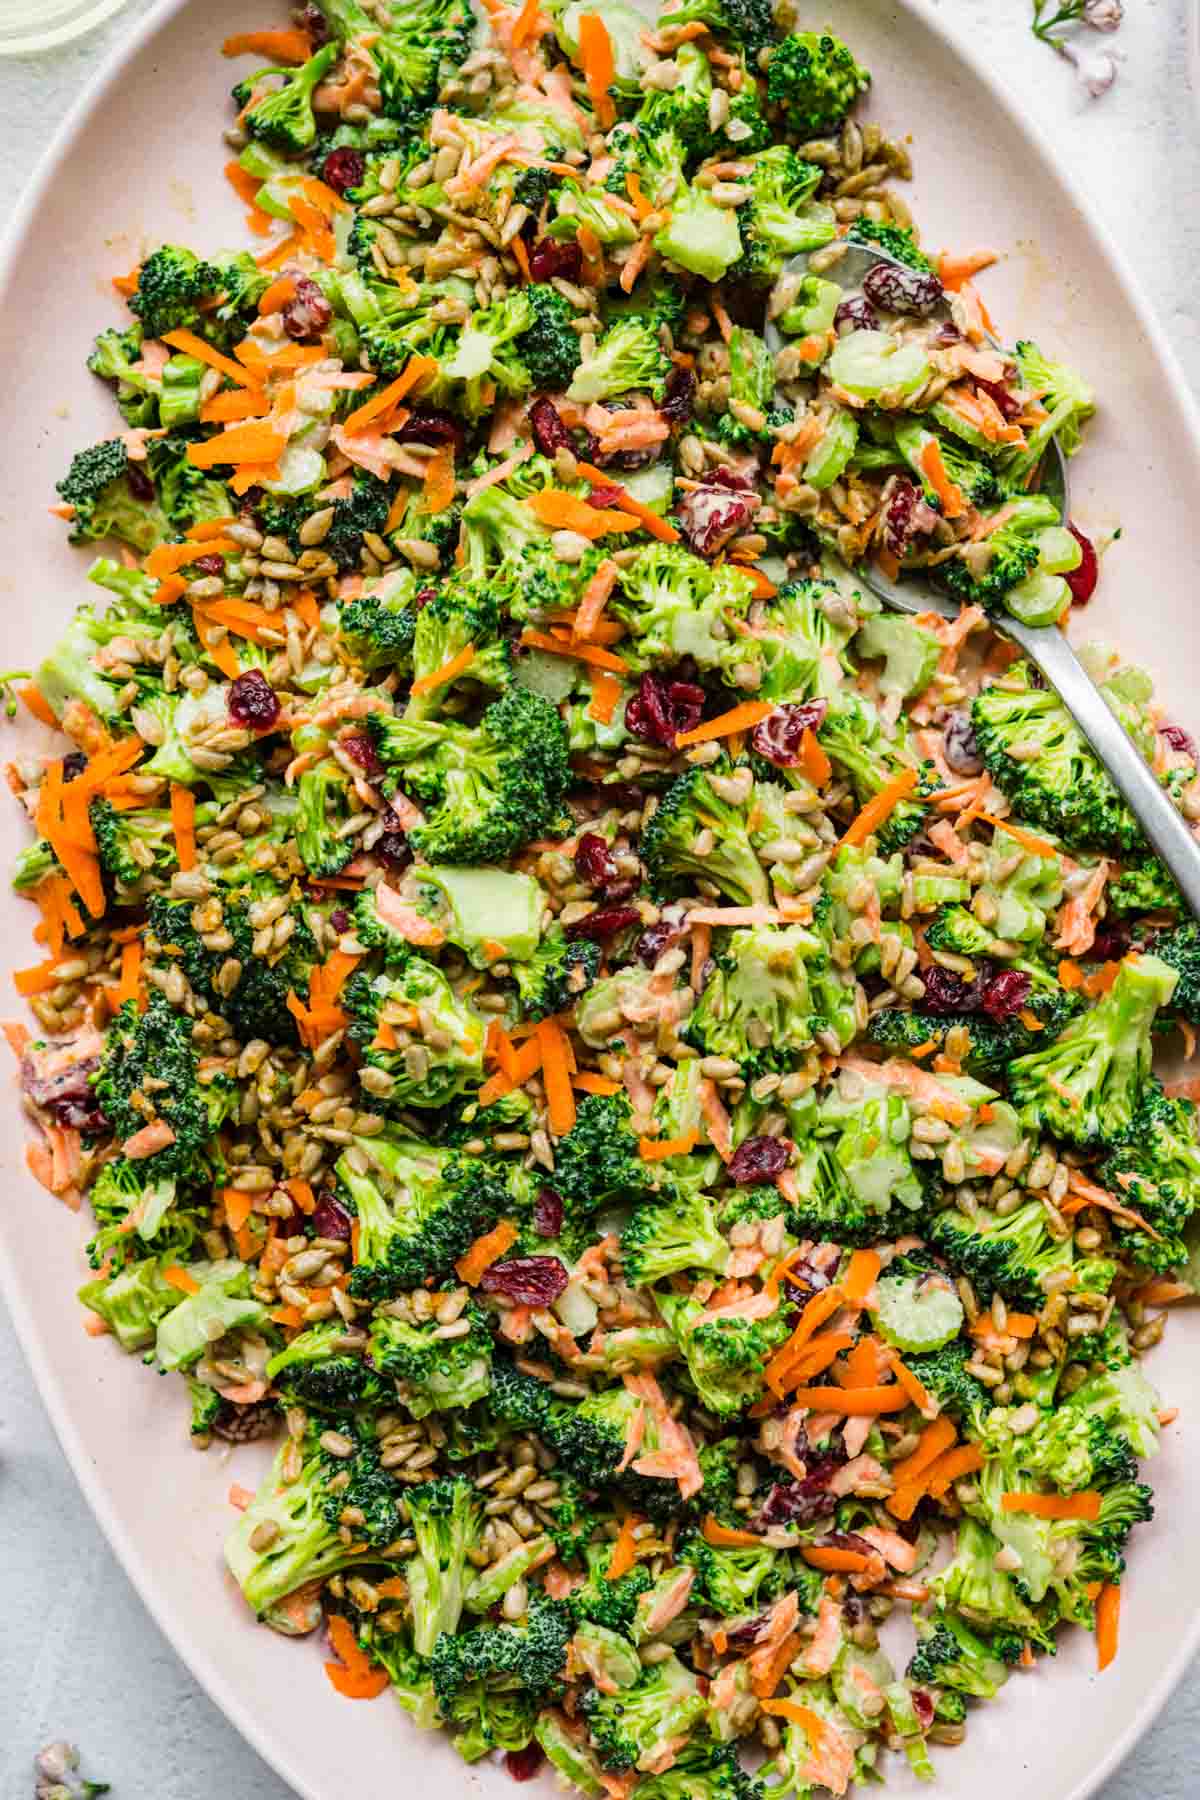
[325,802]
[1180,950]
[132,845]
[365,508]
[307,1543]
[387,1006]
[283,116]
[740,1581]
[491,788]
[856,1179]
[1144,886]
[944,1373]
[725,1357]
[691,806]
[751,385]
[588,1437]
[112,358]
[897,241]
[1069,403]
[559,973]
[988,1597]
[978,481]
[910,653]
[418,1210]
[610,1604]
[950,1655]
[374,933]
[662,1239]
[814,80]
[993,1042]
[446,1519]
[597,1162]
[782,218]
[1004,559]
[676,605]
[104,505]
[629,1727]
[132,1300]
[155,1047]
[206,1406]
[548,346]
[418,41]
[747,23]
[1008,1255]
[432,1373]
[1155,1168]
[133,1208]
[172,282]
[486,355]
[529,1657]
[1063,788]
[628,356]
[1087,1084]
[378,629]
[756,1006]
[854,738]
[257,1005]
[186,495]
[703,1772]
[317,1372]
[462,615]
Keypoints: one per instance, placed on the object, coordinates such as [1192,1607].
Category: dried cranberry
[344,169]
[662,708]
[657,938]
[74,763]
[526,1280]
[549,257]
[423,596]
[210,565]
[329,1219]
[758,1159]
[923,1707]
[548,1213]
[432,426]
[1005,993]
[855,314]
[361,749]
[899,515]
[524,1764]
[252,701]
[680,397]
[946,992]
[393,850]
[628,459]
[802,1502]
[138,482]
[68,1095]
[308,312]
[902,290]
[745,1633]
[607,494]
[604,923]
[1112,941]
[805,1278]
[339,918]
[311,21]
[549,433]
[999,391]
[716,510]
[779,735]
[947,333]
[594,860]
[959,746]
[1082,581]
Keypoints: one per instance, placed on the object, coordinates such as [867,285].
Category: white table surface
[79,1657]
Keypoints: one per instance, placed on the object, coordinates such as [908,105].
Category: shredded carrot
[821,1307]
[596,61]
[1035,845]
[915,1390]
[355,1676]
[857,1402]
[585,653]
[606,694]
[813,761]
[624,1553]
[594,599]
[1070,975]
[250,443]
[274,46]
[559,511]
[880,807]
[188,344]
[738,718]
[1159,1292]
[833,1560]
[860,1276]
[556,1074]
[590,1083]
[768,1679]
[450,671]
[935,1438]
[129,986]
[659,1149]
[522,258]
[1108,1619]
[416,370]
[38,980]
[655,524]
[485,1251]
[438,487]
[183,824]
[277,296]
[36,703]
[954,271]
[727,1537]
[237,1208]
[1054,1506]
[179,1278]
[948,492]
[166,559]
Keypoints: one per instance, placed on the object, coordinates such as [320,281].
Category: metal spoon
[1045,645]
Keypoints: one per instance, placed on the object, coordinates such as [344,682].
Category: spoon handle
[1165,829]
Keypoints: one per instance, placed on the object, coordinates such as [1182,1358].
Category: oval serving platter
[140,161]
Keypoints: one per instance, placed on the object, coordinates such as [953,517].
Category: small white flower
[1104,15]
[1095,70]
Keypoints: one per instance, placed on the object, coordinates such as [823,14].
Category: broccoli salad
[630,1063]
